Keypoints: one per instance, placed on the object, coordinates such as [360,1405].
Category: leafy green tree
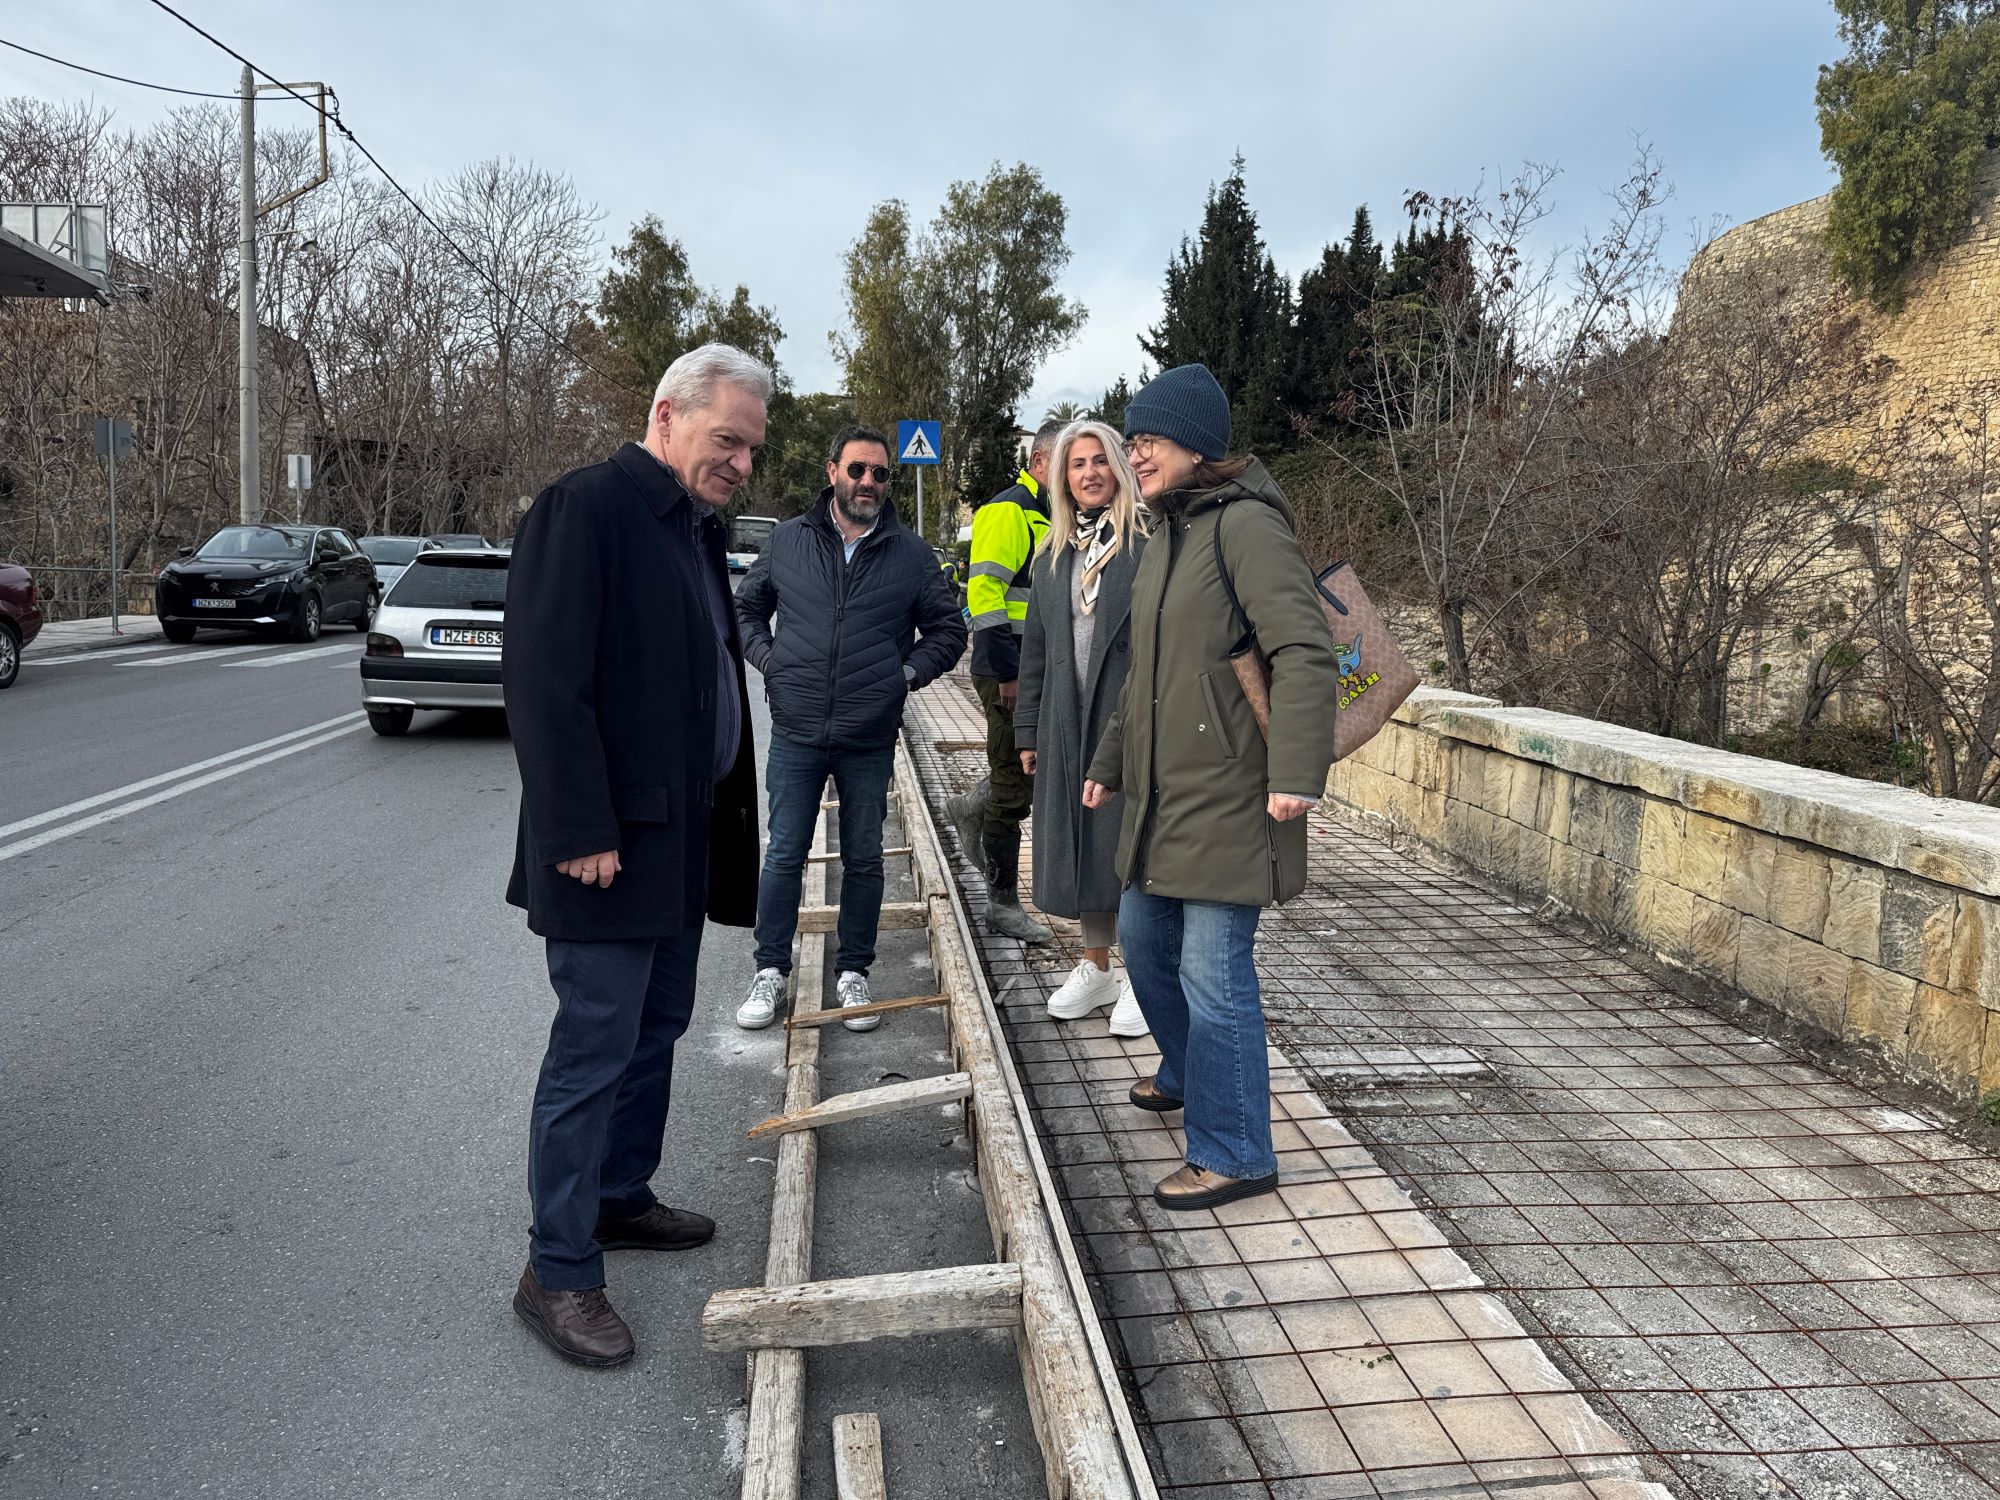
[1906,116]
[1227,307]
[1117,396]
[1329,332]
[952,323]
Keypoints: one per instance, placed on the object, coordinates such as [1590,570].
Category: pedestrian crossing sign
[917,442]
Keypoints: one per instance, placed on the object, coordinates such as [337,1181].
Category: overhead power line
[137,83]
[423,213]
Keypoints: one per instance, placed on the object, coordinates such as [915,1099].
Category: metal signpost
[111,437]
[917,442]
[299,476]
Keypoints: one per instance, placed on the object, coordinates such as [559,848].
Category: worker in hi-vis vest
[1005,532]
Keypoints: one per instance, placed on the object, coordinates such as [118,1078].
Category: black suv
[289,578]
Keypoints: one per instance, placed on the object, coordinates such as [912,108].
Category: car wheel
[308,627]
[367,616]
[390,721]
[10,655]
[177,631]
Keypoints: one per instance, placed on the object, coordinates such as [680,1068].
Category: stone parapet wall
[1868,911]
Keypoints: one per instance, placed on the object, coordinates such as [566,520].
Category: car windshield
[395,551]
[749,533]
[452,580]
[254,544]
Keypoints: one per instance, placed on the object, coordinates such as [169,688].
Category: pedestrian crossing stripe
[918,449]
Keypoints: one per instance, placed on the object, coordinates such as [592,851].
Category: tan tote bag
[1375,675]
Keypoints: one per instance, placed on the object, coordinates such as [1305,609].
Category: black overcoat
[610,676]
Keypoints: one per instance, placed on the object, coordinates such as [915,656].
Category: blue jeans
[1194,973]
[601,1103]
[794,776]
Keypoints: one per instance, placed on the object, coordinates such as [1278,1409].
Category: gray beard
[851,518]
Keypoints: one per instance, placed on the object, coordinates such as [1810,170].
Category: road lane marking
[106,655]
[273,661]
[209,653]
[56,814]
[111,814]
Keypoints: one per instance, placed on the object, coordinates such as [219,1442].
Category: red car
[20,618]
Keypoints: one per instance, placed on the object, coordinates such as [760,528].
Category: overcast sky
[761,131]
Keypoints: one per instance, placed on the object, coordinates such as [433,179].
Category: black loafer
[1146,1095]
[658,1228]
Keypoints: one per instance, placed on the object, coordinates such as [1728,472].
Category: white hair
[691,380]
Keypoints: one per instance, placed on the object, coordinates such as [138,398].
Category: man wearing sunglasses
[864,617]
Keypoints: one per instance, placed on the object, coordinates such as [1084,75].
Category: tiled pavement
[1549,1230]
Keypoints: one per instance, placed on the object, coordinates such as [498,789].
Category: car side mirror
[185,551]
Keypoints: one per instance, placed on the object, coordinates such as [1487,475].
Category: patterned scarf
[1097,539]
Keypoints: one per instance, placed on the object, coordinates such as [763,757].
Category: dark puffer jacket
[834,672]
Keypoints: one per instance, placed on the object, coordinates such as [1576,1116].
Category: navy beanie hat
[1185,405]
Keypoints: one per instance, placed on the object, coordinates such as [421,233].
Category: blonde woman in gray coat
[1075,651]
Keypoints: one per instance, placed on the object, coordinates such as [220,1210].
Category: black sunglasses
[874,471]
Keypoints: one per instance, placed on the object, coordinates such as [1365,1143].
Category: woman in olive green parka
[1214,825]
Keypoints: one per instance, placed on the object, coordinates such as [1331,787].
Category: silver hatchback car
[436,639]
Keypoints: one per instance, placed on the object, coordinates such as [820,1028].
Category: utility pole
[250,493]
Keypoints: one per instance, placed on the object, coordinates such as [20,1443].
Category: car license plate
[461,635]
[215,604]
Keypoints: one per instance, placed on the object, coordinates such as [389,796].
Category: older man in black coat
[631,723]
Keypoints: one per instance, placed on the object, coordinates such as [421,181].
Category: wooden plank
[828,859]
[857,1457]
[897,916]
[860,1309]
[776,1423]
[872,1008]
[862,1103]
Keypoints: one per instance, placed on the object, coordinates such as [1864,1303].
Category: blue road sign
[918,442]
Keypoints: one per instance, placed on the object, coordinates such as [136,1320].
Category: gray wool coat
[1075,848]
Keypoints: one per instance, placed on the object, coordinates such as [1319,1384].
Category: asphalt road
[269,1041]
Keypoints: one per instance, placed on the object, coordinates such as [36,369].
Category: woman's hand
[593,869]
[1028,762]
[1283,809]
[1095,794]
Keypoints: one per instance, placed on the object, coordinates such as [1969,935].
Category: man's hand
[1028,762]
[1010,694]
[1283,809]
[1095,794]
[593,869]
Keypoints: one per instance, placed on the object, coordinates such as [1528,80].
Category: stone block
[1975,949]
[1729,800]
[1854,910]
[1753,857]
[1960,862]
[1524,793]
[1463,834]
[1535,851]
[1587,801]
[1569,874]
[1466,778]
[1661,834]
[1405,741]
[1816,984]
[1705,845]
[1554,814]
[1503,847]
[1622,813]
[1799,884]
[1713,932]
[1947,1037]
[1666,914]
[1989,1067]
[1878,1005]
[1499,781]
[1915,934]
[1762,962]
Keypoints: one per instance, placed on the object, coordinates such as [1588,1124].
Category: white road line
[55,814]
[273,661]
[208,653]
[111,814]
[106,655]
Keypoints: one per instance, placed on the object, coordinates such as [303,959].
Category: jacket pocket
[1218,720]
[640,802]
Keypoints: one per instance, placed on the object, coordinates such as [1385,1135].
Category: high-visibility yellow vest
[1005,533]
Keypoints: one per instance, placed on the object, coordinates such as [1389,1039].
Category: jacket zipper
[843,568]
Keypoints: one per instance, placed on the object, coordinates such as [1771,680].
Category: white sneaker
[853,990]
[1126,1017]
[761,1008]
[1088,988]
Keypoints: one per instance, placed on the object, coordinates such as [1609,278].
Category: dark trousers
[1013,794]
[794,776]
[600,1114]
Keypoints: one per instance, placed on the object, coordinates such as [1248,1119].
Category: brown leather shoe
[1146,1094]
[1195,1187]
[658,1228]
[582,1326]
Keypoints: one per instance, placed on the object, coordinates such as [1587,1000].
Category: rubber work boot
[1004,917]
[966,813]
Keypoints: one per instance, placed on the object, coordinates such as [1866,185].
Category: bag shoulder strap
[1222,571]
